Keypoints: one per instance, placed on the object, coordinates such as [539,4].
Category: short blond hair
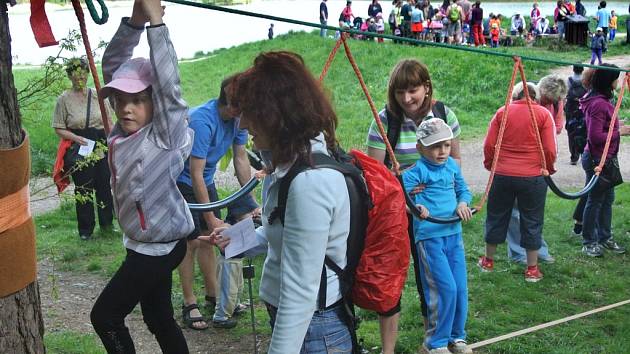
[553,88]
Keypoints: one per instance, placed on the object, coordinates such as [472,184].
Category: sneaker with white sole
[613,246]
[486,264]
[459,346]
[441,350]
[533,274]
[592,250]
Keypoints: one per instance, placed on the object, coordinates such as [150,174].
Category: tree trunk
[21,323]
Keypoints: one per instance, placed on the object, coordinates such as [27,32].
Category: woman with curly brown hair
[289,117]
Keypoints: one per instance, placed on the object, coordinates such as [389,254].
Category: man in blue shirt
[216,128]
[603,18]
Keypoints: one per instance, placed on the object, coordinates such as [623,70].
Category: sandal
[189,320]
[211,303]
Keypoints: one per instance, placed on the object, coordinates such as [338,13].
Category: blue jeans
[597,221]
[327,332]
[322,31]
[611,34]
[515,251]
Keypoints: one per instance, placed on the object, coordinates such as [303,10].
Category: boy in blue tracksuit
[440,246]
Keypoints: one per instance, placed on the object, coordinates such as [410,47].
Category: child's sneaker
[459,347]
[442,350]
[486,264]
[533,274]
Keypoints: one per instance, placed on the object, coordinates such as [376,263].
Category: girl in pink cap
[147,150]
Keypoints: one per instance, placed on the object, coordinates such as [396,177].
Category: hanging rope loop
[94,14]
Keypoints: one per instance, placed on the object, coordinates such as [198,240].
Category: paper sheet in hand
[242,237]
[86,150]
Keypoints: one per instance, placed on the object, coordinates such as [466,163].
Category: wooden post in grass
[21,323]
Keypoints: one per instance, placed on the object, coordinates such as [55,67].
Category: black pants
[88,181]
[144,279]
[531,194]
[573,146]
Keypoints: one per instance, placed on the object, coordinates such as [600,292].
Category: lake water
[194,29]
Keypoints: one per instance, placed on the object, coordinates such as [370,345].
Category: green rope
[105,13]
[371,34]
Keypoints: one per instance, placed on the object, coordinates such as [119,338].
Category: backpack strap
[394,127]
[439,110]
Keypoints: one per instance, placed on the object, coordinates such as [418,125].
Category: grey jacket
[145,165]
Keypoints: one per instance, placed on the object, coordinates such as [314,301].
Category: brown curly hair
[280,97]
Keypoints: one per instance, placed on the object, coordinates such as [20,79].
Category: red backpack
[378,242]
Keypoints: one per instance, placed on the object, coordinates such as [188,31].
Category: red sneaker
[486,264]
[533,274]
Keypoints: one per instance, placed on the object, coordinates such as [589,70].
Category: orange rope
[388,146]
[530,108]
[331,57]
[497,146]
[602,161]
[88,51]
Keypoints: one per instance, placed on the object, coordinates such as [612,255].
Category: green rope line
[402,39]
[105,13]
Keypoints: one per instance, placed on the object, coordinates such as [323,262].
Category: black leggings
[144,279]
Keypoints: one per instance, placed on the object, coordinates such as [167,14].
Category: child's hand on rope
[153,10]
[463,211]
[424,212]
[144,10]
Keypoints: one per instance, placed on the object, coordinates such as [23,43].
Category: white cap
[432,131]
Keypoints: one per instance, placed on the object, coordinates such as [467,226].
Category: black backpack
[575,124]
[394,126]
[572,106]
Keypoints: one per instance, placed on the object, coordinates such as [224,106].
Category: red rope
[88,51]
[497,146]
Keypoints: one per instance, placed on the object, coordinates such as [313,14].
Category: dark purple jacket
[476,16]
[598,112]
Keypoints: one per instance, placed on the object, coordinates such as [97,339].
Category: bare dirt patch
[67,304]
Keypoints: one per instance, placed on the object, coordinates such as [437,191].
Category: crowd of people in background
[464,22]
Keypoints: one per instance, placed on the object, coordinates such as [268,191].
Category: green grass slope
[474,85]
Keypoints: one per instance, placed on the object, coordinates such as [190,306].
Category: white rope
[545,325]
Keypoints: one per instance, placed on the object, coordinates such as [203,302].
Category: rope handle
[104,12]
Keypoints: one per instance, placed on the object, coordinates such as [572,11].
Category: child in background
[416,21]
[270,32]
[494,36]
[612,26]
[380,26]
[147,150]
[440,246]
[598,46]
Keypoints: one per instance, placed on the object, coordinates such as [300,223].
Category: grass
[472,85]
[499,302]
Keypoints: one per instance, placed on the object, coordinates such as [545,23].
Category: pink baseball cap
[132,76]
